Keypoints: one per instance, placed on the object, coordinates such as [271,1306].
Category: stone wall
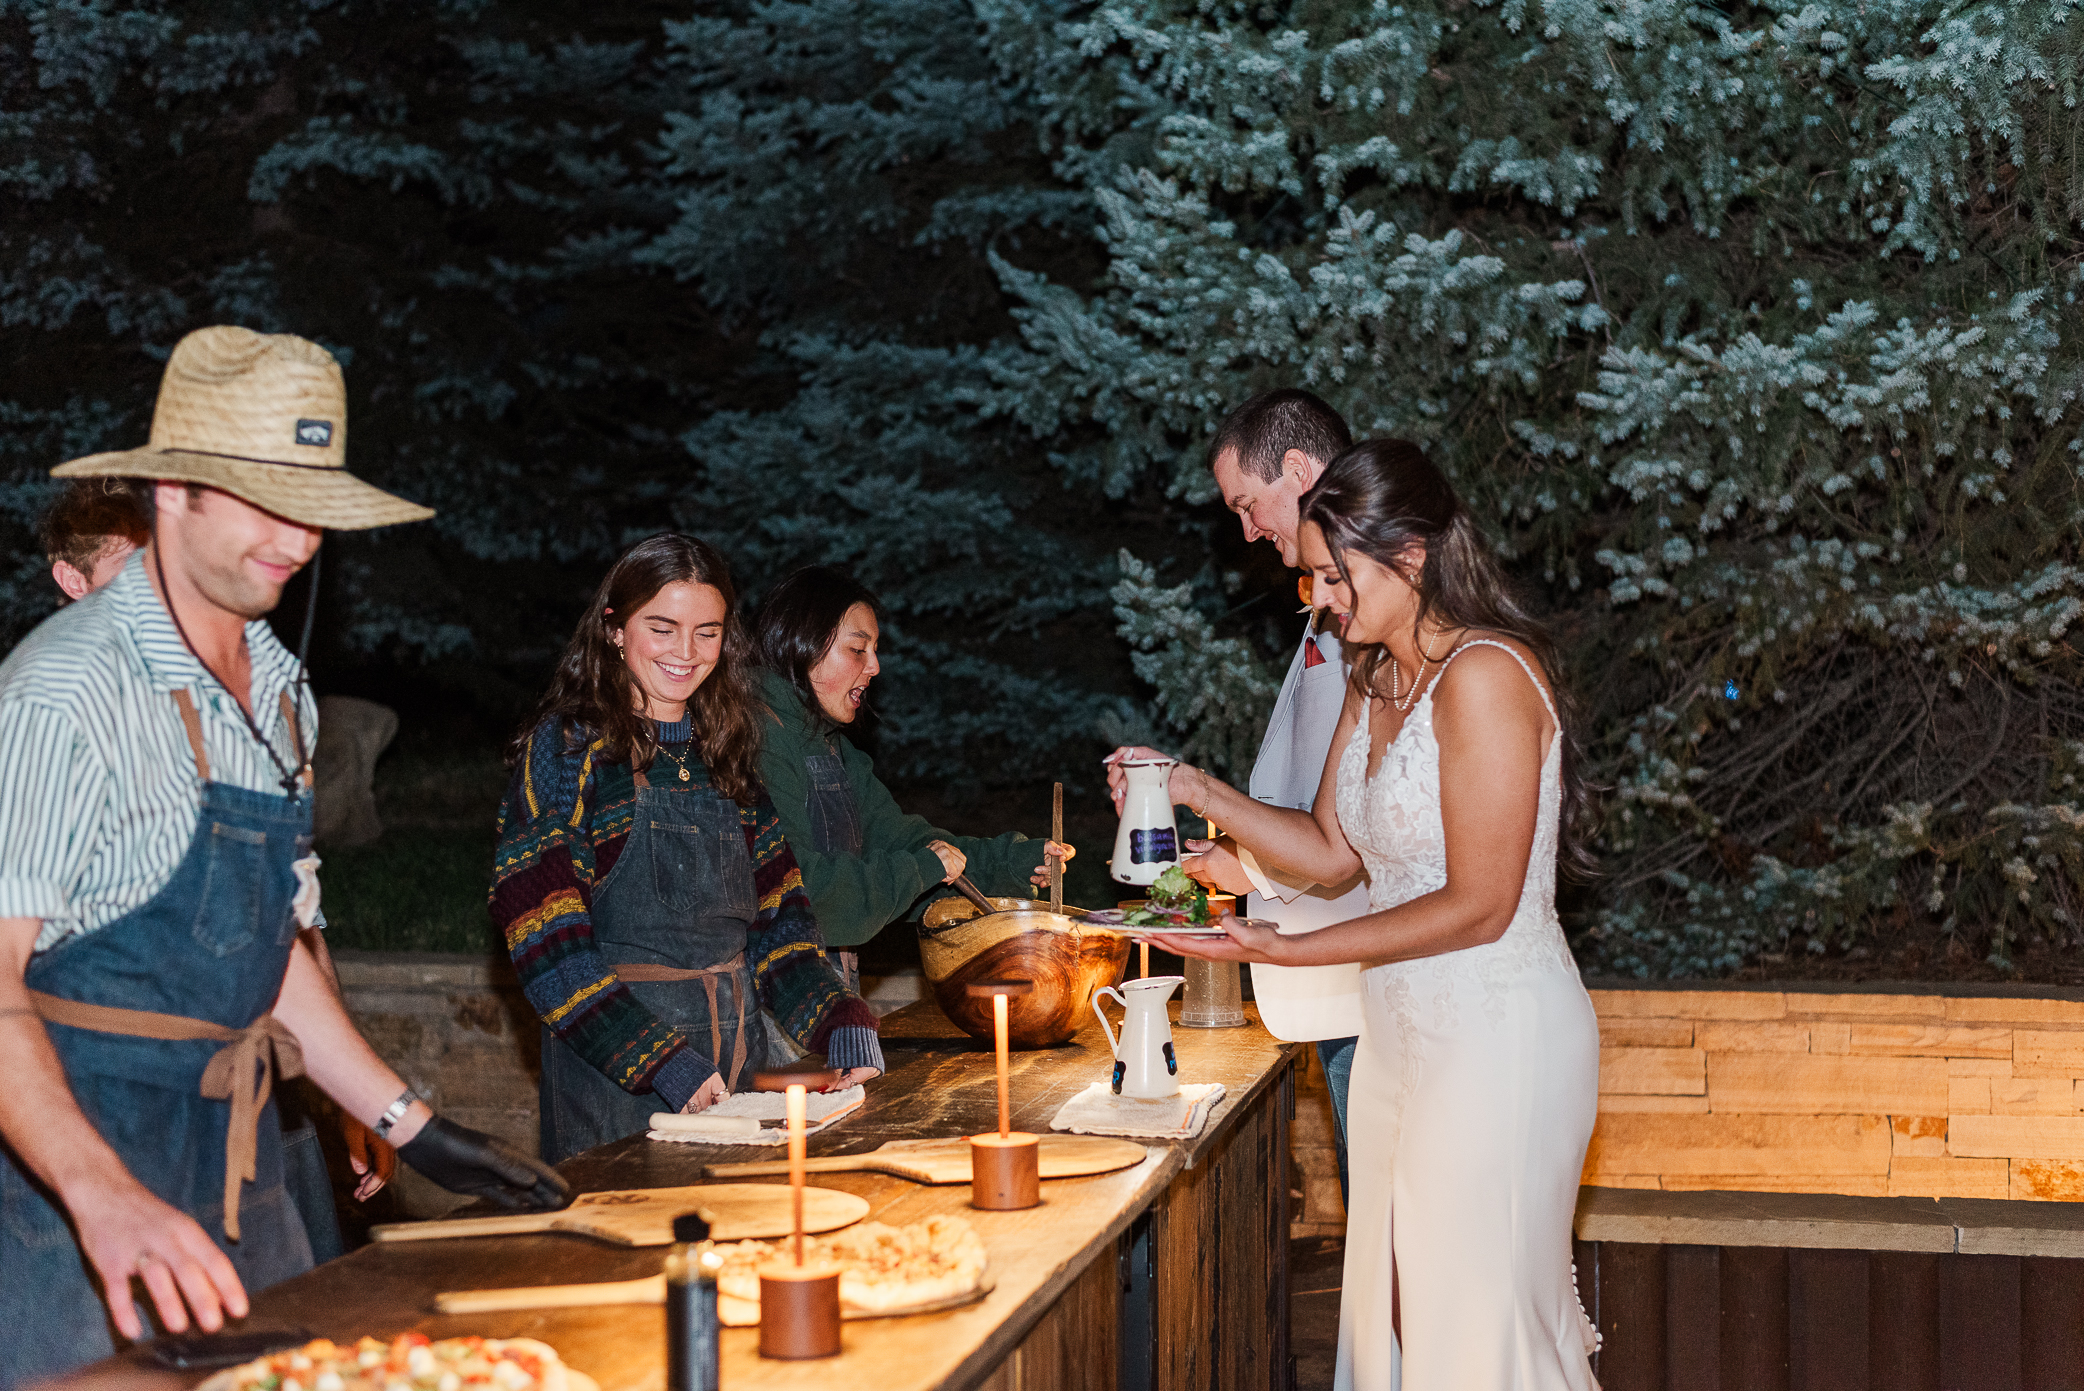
[1867,1093]
[460,1032]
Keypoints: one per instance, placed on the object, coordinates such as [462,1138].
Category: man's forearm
[336,1056]
[39,1117]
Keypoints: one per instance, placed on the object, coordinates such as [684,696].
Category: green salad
[1174,899]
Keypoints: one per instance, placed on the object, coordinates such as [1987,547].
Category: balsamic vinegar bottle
[691,1327]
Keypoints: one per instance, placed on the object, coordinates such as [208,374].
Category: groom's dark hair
[1266,427]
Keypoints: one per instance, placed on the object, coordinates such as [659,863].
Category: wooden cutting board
[948,1161]
[644,1216]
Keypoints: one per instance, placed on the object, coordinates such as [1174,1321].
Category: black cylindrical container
[691,1328]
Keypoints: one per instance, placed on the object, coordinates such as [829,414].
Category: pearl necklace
[1425,657]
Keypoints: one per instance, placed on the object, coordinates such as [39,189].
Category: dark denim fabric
[213,944]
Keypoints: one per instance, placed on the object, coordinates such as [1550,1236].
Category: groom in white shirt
[1268,453]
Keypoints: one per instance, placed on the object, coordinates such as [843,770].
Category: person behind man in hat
[155,819]
[90,531]
[1267,453]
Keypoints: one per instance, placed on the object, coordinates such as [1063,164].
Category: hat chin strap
[292,781]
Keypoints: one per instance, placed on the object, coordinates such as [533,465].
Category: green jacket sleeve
[998,865]
[852,896]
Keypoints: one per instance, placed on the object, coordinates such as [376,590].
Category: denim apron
[835,829]
[212,946]
[679,902]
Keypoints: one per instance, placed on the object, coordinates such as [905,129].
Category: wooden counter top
[939,1083]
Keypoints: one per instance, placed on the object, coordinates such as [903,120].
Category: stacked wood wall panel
[1884,1095]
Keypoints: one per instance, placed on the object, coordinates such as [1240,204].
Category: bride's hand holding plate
[1242,941]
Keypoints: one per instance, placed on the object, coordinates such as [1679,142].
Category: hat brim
[322,497]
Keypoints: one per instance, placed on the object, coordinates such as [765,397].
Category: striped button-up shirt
[98,787]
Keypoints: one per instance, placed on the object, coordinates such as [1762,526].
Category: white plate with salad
[1177,907]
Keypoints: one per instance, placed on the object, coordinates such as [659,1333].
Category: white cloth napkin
[821,1109]
[1098,1111]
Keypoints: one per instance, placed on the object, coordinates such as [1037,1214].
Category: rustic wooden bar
[1170,1274]
[1793,1291]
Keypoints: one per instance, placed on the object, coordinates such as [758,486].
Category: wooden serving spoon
[970,891]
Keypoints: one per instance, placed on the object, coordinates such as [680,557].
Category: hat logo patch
[317,433]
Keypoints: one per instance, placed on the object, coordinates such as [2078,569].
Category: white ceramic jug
[1146,843]
[1144,1064]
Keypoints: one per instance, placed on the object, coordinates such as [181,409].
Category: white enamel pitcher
[1144,1064]
[1146,844]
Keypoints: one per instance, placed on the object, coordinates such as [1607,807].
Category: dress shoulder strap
[1506,648]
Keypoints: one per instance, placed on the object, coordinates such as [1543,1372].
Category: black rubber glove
[463,1160]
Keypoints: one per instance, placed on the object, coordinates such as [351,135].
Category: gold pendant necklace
[677,762]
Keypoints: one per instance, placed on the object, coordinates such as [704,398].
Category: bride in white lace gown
[1475,1082]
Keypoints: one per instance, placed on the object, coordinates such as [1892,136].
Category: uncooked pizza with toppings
[410,1362]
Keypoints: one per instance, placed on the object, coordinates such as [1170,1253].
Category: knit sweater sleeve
[555,844]
[795,979]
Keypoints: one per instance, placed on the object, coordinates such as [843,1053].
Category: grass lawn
[421,885]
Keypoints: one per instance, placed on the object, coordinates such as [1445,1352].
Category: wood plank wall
[1219,1260]
[1075,1344]
[1875,1095]
[1759,1318]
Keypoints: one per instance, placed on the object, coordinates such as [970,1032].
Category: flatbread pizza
[883,1269]
[410,1362]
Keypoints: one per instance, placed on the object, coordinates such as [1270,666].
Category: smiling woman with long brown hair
[642,882]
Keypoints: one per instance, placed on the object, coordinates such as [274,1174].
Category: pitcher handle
[1113,1041]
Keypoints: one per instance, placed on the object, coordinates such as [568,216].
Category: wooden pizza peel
[644,1216]
[948,1161]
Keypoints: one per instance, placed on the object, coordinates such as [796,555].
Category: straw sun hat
[262,416]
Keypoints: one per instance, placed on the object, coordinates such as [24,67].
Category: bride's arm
[1308,845]
[1493,732]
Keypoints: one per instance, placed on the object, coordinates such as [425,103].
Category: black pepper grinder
[691,1327]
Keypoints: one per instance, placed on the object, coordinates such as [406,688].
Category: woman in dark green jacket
[865,862]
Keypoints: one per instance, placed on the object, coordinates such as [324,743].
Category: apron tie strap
[645,971]
[242,1072]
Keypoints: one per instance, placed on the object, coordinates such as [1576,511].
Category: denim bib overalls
[212,945]
[835,829]
[677,906]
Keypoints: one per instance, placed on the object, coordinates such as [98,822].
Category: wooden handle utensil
[1056,864]
[650,1289]
[970,891]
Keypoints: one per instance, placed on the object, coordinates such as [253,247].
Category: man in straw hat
[155,821]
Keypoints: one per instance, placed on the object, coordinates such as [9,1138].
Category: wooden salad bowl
[1065,959]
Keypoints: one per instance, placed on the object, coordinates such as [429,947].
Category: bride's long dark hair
[593,697]
[1380,498]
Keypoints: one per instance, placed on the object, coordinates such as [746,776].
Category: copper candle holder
[1006,1168]
[799,1302]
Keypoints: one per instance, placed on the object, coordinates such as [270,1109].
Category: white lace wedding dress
[1474,1090]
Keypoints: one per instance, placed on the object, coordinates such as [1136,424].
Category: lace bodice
[1392,821]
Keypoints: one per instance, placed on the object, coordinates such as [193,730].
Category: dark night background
[952,294]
